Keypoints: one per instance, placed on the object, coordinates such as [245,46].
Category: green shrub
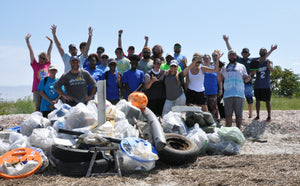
[21,106]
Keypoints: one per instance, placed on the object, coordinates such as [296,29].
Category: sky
[196,24]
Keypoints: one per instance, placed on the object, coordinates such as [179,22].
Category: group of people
[167,81]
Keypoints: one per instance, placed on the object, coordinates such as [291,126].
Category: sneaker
[269,119]
[257,118]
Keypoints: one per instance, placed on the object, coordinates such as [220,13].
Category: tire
[79,169]
[179,150]
[68,154]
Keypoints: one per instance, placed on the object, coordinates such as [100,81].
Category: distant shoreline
[13,93]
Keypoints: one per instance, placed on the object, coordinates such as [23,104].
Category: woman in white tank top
[195,81]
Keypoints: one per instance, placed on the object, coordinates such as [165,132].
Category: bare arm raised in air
[29,47]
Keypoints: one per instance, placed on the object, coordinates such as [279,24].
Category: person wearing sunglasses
[103,63]
[40,69]
[47,91]
[195,73]
[245,60]
[155,88]
[174,87]
[182,61]
[146,63]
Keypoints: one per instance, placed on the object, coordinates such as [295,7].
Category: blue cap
[75,58]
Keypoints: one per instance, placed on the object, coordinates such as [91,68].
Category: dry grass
[280,169]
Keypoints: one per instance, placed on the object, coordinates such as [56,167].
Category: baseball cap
[52,67]
[72,46]
[75,58]
[174,62]
[104,54]
[245,50]
[111,60]
[170,54]
[231,52]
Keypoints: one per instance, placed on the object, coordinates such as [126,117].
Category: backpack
[45,80]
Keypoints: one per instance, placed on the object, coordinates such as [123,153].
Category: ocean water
[13,93]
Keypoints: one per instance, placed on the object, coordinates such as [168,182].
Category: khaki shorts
[37,98]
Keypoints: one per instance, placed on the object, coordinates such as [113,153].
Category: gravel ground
[270,156]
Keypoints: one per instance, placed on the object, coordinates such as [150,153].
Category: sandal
[257,118]
[269,119]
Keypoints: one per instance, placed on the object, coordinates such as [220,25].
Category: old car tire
[68,154]
[79,169]
[179,150]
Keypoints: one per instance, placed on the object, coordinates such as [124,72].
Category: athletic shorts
[235,104]
[262,94]
[37,98]
[195,98]
[249,92]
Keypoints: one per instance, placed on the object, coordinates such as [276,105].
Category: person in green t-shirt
[166,65]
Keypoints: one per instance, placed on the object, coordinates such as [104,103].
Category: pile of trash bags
[129,140]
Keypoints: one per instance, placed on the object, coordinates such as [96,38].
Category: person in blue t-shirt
[113,82]
[246,61]
[103,64]
[213,88]
[133,79]
[182,61]
[95,72]
[47,91]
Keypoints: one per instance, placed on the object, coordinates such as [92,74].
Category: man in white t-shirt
[234,76]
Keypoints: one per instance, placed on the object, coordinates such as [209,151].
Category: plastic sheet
[173,123]
[61,109]
[223,147]
[136,154]
[123,129]
[233,134]
[36,120]
[17,140]
[43,138]
[131,112]
[4,147]
[197,135]
[79,116]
